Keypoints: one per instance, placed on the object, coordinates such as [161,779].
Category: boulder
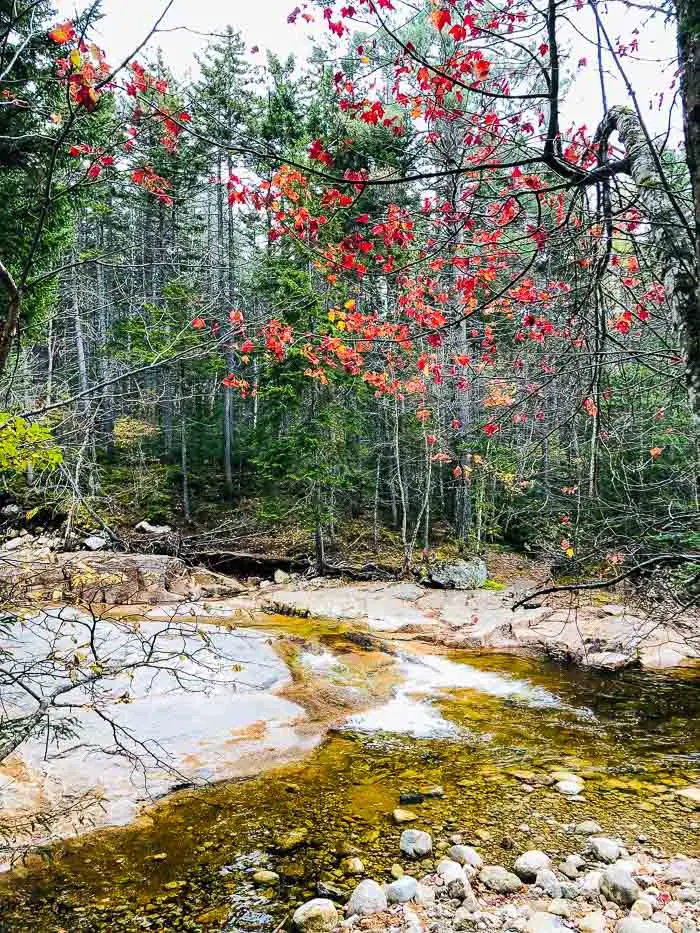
[402,890]
[415,843]
[281,577]
[367,898]
[95,542]
[316,916]
[499,880]
[529,863]
[619,886]
[459,574]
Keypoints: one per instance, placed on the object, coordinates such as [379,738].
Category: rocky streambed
[499,752]
[602,884]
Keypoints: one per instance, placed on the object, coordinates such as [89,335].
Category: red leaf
[441,18]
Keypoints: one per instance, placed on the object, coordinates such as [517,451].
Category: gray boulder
[316,916]
[619,886]
[367,898]
[529,863]
[415,843]
[402,890]
[499,880]
[459,574]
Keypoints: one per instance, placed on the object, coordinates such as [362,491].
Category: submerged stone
[316,916]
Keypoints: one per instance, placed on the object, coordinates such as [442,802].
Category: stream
[489,729]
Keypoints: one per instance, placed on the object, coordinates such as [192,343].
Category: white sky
[264,23]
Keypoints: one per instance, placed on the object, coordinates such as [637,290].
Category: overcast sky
[263,23]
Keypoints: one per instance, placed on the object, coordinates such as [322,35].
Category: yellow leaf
[75,58]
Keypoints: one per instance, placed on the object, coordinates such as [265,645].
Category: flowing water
[487,728]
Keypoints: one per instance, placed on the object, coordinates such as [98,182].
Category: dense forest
[385,301]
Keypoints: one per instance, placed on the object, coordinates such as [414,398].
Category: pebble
[397,871]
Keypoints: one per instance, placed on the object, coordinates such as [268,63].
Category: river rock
[590,883]
[587,828]
[592,923]
[330,890]
[619,886]
[500,880]
[570,788]
[571,866]
[465,855]
[463,919]
[402,890]
[264,877]
[156,530]
[450,871]
[281,577]
[459,574]
[353,866]
[681,870]
[367,898]
[529,863]
[548,881]
[291,840]
[642,908]
[95,543]
[404,816]
[541,922]
[689,895]
[316,916]
[425,895]
[559,907]
[637,925]
[416,843]
[604,850]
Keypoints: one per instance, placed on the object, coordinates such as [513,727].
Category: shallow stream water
[487,728]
